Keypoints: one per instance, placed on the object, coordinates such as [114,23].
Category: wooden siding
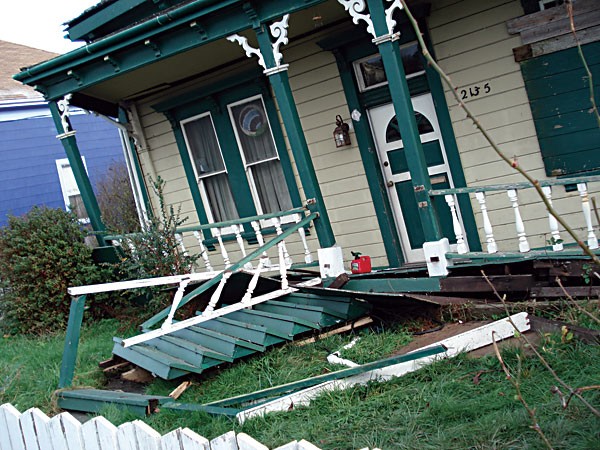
[473,46]
[29,150]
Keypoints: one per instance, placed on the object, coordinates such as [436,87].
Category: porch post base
[435,257]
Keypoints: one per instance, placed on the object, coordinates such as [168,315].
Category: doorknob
[385,163]
[390,183]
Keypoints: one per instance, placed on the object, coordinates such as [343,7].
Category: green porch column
[66,134]
[387,42]
[270,59]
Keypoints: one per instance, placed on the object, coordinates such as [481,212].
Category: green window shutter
[558,90]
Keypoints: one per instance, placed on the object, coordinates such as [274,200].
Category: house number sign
[475,91]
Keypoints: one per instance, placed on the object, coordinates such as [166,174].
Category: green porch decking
[239,334]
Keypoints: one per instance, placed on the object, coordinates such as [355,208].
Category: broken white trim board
[464,342]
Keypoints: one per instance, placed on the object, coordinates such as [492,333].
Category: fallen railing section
[512,192]
[256,262]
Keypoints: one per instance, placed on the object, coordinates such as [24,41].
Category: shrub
[116,201]
[156,252]
[41,255]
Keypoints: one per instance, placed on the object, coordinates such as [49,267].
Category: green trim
[81,177]
[344,373]
[284,156]
[69,359]
[101,17]
[366,146]
[452,153]
[137,166]
[393,285]
[390,54]
[287,107]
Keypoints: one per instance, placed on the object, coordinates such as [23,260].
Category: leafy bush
[116,201]
[156,252]
[41,255]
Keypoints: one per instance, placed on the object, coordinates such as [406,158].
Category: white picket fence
[34,430]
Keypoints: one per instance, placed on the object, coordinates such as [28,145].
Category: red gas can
[360,264]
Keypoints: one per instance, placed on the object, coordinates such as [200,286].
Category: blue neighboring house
[33,165]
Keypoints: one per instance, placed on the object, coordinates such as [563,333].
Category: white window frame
[359,76]
[63,167]
[248,166]
[201,177]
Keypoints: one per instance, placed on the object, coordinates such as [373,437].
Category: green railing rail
[516,186]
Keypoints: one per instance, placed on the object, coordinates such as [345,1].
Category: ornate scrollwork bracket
[279,32]
[357,9]
[63,109]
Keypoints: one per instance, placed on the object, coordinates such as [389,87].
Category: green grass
[439,406]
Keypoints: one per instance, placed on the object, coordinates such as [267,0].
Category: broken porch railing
[256,262]
[512,199]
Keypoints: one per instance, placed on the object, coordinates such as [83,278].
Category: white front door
[392,158]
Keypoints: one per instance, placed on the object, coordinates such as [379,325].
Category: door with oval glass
[392,158]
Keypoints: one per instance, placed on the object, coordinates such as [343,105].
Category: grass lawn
[463,403]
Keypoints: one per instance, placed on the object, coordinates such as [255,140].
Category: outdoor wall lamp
[341,134]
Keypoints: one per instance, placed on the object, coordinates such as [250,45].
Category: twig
[511,162]
[574,303]
[538,354]
[569,4]
[517,385]
[565,401]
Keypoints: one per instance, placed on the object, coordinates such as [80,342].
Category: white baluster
[253,282]
[519,225]
[592,240]
[282,265]
[261,242]
[461,247]
[237,229]
[307,256]
[277,224]
[557,245]
[203,251]
[214,299]
[176,300]
[217,233]
[492,247]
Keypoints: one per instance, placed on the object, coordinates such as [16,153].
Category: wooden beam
[566,41]
[502,283]
[550,15]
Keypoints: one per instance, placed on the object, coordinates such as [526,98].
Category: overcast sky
[38,23]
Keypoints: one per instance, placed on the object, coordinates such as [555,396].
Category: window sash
[259,154]
[70,190]
[209,167]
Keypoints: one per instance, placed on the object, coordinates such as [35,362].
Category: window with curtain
[211,173]
[259,154]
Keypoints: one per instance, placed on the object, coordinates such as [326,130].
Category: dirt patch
[455,328]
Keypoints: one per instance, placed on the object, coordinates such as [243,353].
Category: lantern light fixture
[341,134]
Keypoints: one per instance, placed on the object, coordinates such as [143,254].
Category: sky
[38,23]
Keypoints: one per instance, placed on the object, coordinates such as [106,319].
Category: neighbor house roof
[12,58]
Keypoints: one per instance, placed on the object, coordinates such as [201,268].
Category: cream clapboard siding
[472,45]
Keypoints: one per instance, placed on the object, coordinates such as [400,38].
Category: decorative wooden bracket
[63,108]
[279,32]
[357,9]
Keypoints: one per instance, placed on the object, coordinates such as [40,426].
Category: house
[235,103]
[35,169]
[251,110]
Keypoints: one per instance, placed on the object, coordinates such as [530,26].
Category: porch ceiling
[201,60]
[165,55]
